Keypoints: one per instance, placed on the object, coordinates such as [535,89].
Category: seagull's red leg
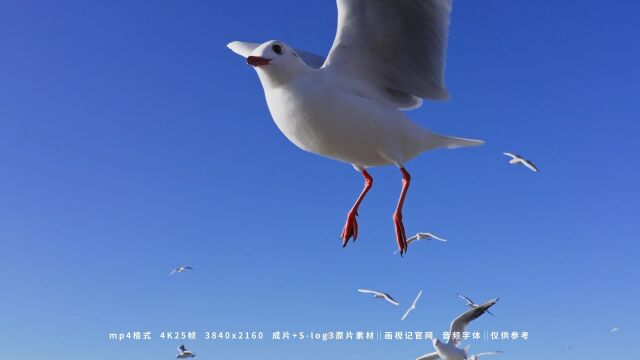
[351,226]
[397,215]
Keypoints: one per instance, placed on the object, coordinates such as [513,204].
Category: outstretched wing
[431,356]
[395,47]
[413,238]
[488,353]
[390,299]
[412,307]
[530,165]
[469,301]
[437,237]
[460,323]
[406,313]
[366,291]
[245,49]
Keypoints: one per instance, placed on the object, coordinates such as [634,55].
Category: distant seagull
[615,329]
[517,159]
[183,353]
[450,349]
[180,269]
[423,236]
[472,304]
[476,356]
[568,348]
[412,307]
[380,295]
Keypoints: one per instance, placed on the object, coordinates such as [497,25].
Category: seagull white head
[276,62]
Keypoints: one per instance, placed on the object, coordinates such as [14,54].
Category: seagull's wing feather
[513,156]
[365,291]
[460,323]
[436,237]
[406,313]
[390,299]
[431,356]
[469,301]
[413,306]
[245,49]
[489,353]
[242,48]
[530,165]
[415,301]
[396,48]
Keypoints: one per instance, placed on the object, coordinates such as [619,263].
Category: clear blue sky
[132,141]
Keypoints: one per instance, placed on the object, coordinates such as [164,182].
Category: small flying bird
[422,236]
[449,350]
[615,329]
[517,159]
[472,304]
[183,353]
[380,295]
[180,269]
[412,307]
[568,348]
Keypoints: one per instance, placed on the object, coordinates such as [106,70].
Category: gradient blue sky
[132,141]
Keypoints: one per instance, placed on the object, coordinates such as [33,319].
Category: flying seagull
[517,159]
[472,304]
[412,307]
[387,56]
[449,350]
[422,236]
[183,353]
[380,295]
[615,329]
[180,269]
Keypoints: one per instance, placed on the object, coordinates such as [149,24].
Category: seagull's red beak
[257,61]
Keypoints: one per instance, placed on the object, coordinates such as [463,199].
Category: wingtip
[242,48]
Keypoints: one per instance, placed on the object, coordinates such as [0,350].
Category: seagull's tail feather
[450,142]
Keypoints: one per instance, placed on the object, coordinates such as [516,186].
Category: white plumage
[449,350]
[183,353]
[413,306]
[517,159]
[387,55]
[380,295]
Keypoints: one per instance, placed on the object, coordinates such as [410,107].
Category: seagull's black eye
[277,49]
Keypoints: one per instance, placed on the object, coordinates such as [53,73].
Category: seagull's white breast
[450,352]
[320,116]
